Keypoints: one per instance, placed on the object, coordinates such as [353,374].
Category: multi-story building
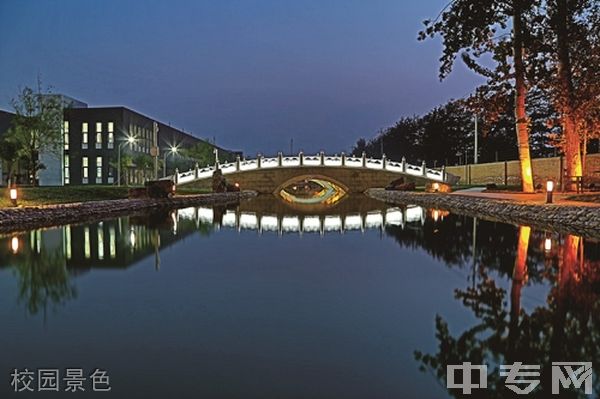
[95,139]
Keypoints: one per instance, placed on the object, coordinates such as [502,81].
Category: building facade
[95,140]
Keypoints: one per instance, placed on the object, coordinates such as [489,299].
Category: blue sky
[252,74]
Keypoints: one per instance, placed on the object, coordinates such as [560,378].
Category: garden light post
[172,150]
[13,195]
[549,190]
[130,140]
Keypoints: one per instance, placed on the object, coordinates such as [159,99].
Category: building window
[111,135]
[98,135]
[67,174]
[66,134]
[84,164]
[84,138]
[98,170]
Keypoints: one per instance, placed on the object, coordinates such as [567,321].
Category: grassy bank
[35,196]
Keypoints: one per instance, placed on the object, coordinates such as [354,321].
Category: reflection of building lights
[14,244]
[436,215]
[174,218]
[548,244]
[132,238]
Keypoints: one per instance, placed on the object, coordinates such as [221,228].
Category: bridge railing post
[176,176]
[258,160]
[322,154]
[343,158]
[424,168]
[196,170]
[301,158]
[280,158]
[364,159]
[444,173]
[383,161]
[403,165]
[237,162]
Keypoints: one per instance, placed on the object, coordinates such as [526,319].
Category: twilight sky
[252,73]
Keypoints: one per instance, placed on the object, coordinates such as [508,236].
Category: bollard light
[13,195]
[549,190]
[436,187]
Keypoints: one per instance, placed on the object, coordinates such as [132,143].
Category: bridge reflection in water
[281,223]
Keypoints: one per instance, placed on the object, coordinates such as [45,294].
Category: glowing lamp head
[237,184]
[131,139]
[435,186]
[549,186]
[13,194]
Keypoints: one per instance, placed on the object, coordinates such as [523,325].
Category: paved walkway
[537,198]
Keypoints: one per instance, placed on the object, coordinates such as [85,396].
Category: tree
[469,28]
[8,154]
[202,152]
[36,127]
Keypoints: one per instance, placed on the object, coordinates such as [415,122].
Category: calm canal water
[266,301]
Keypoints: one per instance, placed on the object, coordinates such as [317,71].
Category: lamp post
[130,140]
[549,190]
[13,195]
[172,150]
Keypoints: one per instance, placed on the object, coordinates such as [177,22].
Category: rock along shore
[580,220]
[25,218]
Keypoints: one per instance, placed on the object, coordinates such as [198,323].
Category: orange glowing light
[14,244]
[436,186]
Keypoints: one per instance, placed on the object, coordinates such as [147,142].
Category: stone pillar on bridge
[383,161]
[364,159]
[280,158]
[322,155]
[301,158]
[403,165]
[443,172]
[196,170]
[176,176]
[258,160]
[424,168]
[237,162]
[343,158]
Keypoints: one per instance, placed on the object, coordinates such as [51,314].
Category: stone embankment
[580,220]
[25,218]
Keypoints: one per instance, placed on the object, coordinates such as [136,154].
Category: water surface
[269,299]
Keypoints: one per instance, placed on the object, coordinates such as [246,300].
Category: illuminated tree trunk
[519,277]
[567,99]
[522,123]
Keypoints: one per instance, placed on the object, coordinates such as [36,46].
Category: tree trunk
[522,123]
[565,83]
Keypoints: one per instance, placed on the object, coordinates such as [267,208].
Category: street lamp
[172,150]
[130,140]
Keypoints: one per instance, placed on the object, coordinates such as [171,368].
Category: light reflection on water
[267,300]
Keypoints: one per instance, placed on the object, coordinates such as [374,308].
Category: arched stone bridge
[353,174]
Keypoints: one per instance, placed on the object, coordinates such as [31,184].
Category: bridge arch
[291,180]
